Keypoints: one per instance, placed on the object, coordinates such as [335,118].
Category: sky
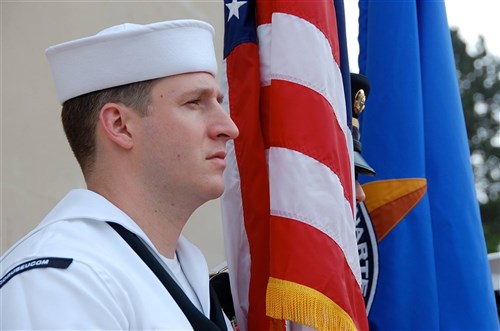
[473,18]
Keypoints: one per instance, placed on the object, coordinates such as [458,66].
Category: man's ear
[114,120]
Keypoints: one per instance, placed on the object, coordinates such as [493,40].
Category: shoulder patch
[44,262]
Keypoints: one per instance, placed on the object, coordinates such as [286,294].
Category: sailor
[141,111]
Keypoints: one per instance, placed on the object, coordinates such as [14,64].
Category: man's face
[182,142]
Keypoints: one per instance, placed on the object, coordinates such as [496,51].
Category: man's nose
[360,194]
[225,126]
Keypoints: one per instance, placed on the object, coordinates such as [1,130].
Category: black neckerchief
[196,318]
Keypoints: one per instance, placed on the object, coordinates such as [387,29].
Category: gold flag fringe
[287,300]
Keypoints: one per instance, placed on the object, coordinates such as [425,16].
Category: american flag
[288,209]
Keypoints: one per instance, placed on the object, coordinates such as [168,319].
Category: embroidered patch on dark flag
[368,254]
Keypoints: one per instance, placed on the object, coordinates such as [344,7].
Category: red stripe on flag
[300,119]
[295,253]
[244,86]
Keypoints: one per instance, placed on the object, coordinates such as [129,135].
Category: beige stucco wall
[37,166]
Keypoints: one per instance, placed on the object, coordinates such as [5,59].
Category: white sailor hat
[129,53]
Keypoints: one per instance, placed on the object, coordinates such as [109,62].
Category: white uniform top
[106,285]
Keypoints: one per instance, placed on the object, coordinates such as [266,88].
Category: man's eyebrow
[204,91]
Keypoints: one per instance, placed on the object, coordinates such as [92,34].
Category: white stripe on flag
[294,42]
[297,180]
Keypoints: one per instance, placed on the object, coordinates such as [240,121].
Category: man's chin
[215,191]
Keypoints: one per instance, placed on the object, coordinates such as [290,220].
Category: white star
[234,8]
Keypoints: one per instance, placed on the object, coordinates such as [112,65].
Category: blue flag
[433,271]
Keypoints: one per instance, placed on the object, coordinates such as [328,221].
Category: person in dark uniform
[360,89]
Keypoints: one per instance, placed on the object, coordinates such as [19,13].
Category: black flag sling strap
[196,318]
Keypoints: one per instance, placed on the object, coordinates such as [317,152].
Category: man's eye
[194,102]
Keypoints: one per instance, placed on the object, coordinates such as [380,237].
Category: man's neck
[161,222]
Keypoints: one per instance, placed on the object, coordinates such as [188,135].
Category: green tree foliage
[479,78]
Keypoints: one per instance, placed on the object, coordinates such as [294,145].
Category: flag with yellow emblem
[432,263]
